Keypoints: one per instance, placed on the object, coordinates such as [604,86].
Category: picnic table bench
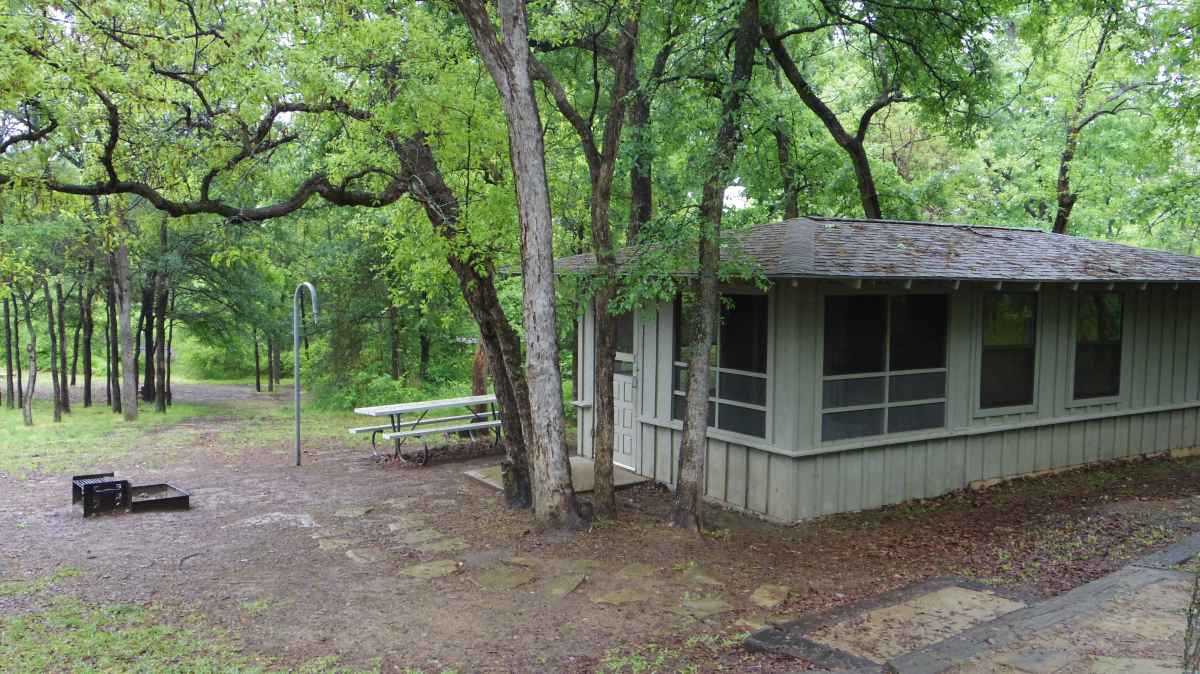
[411,420]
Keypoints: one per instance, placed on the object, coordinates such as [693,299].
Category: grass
[84,440]
[26,588]
[71,636]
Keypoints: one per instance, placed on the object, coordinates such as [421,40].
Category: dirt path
[319,560]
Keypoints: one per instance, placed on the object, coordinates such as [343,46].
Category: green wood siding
[791,474]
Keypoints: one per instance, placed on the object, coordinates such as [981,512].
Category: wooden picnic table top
[424,405]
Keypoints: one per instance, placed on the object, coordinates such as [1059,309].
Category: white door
[625,435]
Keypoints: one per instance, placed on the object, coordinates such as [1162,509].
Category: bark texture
[31,350]
[601,159]
[508,61]
[686,508]
[9,399]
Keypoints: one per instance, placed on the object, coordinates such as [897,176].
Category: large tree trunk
[149,300]
[64,389]
[31,350]
[129,390]
[476,281]
[508,62]
[9,398]
[170,351]
[601,159]
[641,168]
[52,330]
[686,510]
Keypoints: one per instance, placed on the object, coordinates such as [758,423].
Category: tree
[508,62]
[687,510]
[601,158]
[934,54]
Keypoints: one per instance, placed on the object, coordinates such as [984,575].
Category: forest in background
[170,170]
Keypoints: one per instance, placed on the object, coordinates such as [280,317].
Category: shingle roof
[814,247]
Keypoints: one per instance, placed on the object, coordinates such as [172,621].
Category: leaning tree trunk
[508,62]
[129,392]
[52,329]
[476,281]
[64,389]
[8,358]
[31,349]
[686,510]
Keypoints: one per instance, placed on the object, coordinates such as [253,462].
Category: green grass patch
[83,439]
[25,588]
[71,636]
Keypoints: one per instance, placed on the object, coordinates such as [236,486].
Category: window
[885,364]
[1009,331]
[624,357]
[1098,345]
[737,386]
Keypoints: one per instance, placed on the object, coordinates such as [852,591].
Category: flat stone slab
[301,520]
[353,511]
[505,577]
[706,607]
[1105,665]
[619,597]
[770,596]
[699,576]
[637,571]
[583,474]
[531,562]
[586,565]
[444,545]
[335,543]
[1038,661]
[403,522]
[894,630]
[417,536]
[366,555]
[564,585]
[752,623]
[401,501]
[427,570]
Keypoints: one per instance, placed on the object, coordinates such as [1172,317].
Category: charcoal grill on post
[103,492]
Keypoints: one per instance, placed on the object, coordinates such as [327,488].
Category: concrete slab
[891,631]
[582,475]
[770,596]
[428,570]
[505,577]
[1107,665]
[564,585]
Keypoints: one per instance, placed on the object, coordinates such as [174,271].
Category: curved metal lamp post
[297,300]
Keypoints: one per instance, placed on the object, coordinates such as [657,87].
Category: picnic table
[412,420]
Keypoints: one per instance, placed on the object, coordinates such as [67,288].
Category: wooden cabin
[895,360]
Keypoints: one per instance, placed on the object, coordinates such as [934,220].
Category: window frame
[886,374]
[715,373]
[980,411]
[1122,379]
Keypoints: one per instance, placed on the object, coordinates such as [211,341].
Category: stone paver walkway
[1129,622]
